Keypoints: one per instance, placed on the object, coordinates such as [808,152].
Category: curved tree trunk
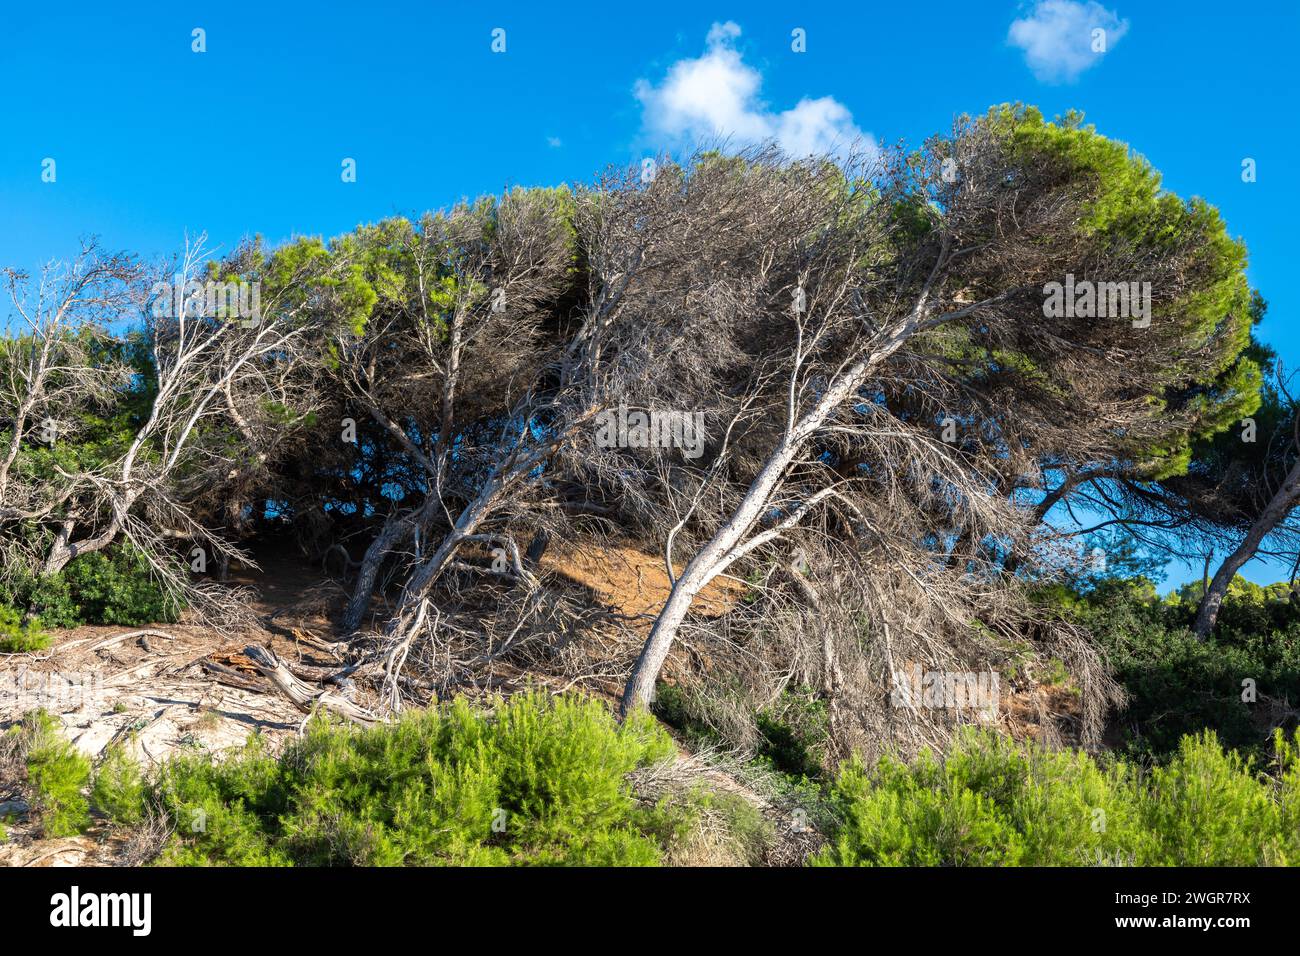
[368,573]
[726,544]
[64,550]
[395,530]
[640,690]
[711,560]
[1273,514]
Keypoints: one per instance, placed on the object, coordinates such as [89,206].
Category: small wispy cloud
[1061,39]
[717,95]
[554,142]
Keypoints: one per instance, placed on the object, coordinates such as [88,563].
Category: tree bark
[63,551]
[1273,514]
[725,546]
[305,697]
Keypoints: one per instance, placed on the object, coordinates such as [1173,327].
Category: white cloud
[1058,39]
[554,142]
[716,95]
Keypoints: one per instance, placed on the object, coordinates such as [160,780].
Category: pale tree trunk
[64,550]
[423,578]
[491,497]
[1273,514]
[396,530]
[62,553]
[726,544]
[15,443]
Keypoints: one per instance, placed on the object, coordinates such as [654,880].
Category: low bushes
[120,790]
[993,802]
[538,781]
[1178,685]
[114,586]
[19,635]
[57,775]
[791,735]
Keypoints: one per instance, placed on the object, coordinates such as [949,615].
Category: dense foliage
[20,634]
[542,780]
[993,802]
[538,781]
[114,586]
[1240,683]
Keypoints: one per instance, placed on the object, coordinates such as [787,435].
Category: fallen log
[303,695]
[232,678]
[118,639]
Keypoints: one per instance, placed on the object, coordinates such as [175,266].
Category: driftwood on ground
[304,696]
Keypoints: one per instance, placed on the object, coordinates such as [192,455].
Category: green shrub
[795,731]
[223,813]
[113,586]
[540,780]
[57,777]
[789,736]
[1210,808]
[693,714]
[701,826]
[994,802]
[748,832]
[119,790]
[1180,686]
[49,596]
[116,587]
[19,636]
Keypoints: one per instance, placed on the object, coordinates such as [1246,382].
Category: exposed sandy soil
[168,688]
[634,583]
[110,683]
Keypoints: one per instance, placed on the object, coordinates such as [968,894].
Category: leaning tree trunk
[1273,514]
[703,568]
[727,544]
[724,547]
[394,531]
[426,574]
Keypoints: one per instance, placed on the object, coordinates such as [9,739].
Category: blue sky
[151,139]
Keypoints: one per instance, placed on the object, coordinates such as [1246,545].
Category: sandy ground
[156,689]
[169,688]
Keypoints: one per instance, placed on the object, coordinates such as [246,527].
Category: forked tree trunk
[722,549]
[393,531]
[64,550]
[1273,514]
